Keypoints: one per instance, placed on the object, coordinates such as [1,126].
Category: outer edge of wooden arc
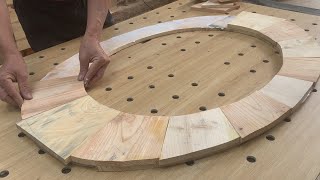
[195,152]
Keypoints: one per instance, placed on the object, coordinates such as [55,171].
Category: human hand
[13,70]
[91,52]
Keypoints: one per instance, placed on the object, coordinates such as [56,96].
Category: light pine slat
[62,129]
[301,68]
[255,114]
[209,4]
[70,67]
[52,93]
[127,142]
[197,135]
[247,23]
[254,21]
[287,44]
[289,91]
[307,50]
[221,9]
[283,31]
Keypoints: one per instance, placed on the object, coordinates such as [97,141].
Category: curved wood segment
[62,129]
[253,21]
[52,93]
[70,67]
[255,114]
[284,31]
[301,68]
[197,135]
[128,142]
[288,91]
[291,39]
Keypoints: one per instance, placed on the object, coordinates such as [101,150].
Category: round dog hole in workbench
[221,68]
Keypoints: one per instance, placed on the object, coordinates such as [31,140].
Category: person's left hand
[91,52]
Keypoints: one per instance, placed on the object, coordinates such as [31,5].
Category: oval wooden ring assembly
[74,128]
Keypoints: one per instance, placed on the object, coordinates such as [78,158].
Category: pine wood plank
[221,10]
[301,68]
[289,91]
[128,142]
[52,93]
[283,31]
[191,137]
[62,129]
[248,20]
[255,114]
[209,4]
[303,50]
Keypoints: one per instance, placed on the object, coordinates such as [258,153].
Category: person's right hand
[13,70]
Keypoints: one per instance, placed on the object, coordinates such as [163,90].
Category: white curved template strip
[70,67]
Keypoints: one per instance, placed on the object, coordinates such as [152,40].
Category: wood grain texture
[191,137]
[50,94]
[301,68]
[62,129]
[70,67]
[209,4]
[128,142]
[222,9]
[253,24]
[289,91]
[255,114]
[284,31]
[254,21]
[300,51]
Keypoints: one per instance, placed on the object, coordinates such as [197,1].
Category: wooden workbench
[294,154]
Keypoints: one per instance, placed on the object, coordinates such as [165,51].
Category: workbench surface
[294,154]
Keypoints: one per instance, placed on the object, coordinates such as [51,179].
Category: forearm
[97,13]
[7,42]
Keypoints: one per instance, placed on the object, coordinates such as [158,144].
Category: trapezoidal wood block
[52,93]
[85,132]
[289,91]
[128,142]
[197,135]
[62,129]
[255,114]
[301,68]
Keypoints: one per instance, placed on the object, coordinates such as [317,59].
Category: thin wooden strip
[255,114]
[70,67]
[127,142]
[62,129]
[209,4]
[288,91]
[52,93]
[197,135]
[301,68]
[199,7]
